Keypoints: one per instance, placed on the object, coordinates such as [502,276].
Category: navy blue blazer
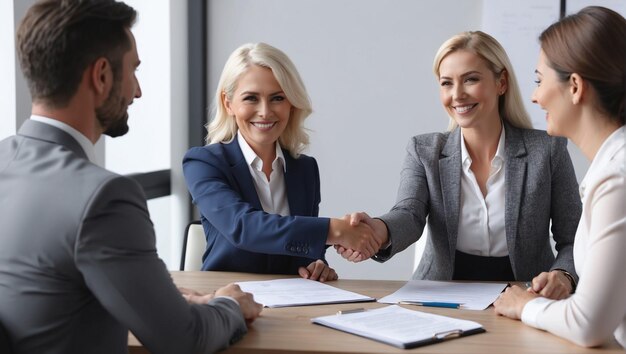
[241,237]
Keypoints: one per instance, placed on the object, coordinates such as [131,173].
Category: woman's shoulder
[217,151]
[431,139]
[539,140]
[531,134]
[302,159]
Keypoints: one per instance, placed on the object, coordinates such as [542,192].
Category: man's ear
[101,77]
[576,88]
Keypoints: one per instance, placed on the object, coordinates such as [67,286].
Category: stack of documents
[298,292]
[400,327]
[468,296]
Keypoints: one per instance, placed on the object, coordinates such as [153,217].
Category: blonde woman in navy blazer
[257,133]
[538,188]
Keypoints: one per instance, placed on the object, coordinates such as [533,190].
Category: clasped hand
[373,232]
[250,309]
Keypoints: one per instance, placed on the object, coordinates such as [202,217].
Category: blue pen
[450,305]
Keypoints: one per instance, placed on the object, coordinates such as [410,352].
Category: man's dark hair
[58,39]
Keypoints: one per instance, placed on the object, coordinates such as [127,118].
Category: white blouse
[481,230]
[598,308]
[273,192]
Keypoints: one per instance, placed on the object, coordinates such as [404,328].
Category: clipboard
[443,336]
[400,327]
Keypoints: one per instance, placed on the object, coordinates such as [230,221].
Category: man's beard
[113,114]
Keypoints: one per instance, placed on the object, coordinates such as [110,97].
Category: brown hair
[591,43]
[58,39]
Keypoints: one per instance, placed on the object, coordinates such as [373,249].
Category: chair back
[194,245]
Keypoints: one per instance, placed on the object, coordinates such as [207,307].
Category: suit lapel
[293,181]
[241,173]
[515,179]
[450,179]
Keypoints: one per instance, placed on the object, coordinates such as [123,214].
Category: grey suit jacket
[540,186]
[78,262]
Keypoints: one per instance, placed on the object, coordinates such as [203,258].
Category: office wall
[7,71]
[367,67]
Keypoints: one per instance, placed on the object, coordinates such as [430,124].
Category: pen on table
[345,312]
[450,305]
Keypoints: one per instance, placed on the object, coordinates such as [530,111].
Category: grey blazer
[78,262]
[540,186]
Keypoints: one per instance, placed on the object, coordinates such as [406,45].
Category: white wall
[7,70]
[367,67]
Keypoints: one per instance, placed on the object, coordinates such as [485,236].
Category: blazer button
[299,249]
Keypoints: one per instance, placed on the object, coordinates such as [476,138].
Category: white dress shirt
[82,140]
[272,193]
[598,307]
[481,230]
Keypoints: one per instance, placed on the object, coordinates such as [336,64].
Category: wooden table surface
[289,330]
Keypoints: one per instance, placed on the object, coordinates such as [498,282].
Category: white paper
[298,292]
[471,296]
[398,326]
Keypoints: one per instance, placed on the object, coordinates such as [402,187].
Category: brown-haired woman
[581,84]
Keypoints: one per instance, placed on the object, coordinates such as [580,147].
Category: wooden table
[289,330]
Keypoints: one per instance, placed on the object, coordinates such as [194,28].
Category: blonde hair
[223,128]
[510,105]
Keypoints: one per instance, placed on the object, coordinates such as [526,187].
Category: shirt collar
[85,144]
[611,146]
[255,161]
[467,160]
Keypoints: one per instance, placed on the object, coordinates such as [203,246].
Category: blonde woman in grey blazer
[491,160]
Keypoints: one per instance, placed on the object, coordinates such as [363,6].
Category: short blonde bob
[223,128]
[510,104]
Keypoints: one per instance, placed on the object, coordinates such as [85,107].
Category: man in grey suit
[78,263]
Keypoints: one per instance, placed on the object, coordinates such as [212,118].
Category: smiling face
[552,96]
[469,90]
[260,108]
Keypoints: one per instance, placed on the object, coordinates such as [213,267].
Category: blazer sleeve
[116,254]
[565,206]
[211,184]
[406,220]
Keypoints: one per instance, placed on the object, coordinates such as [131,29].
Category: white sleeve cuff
[533,309]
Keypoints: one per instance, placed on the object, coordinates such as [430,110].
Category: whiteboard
[517,26]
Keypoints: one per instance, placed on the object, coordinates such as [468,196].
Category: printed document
[298,292]
[400,327]
[470,296]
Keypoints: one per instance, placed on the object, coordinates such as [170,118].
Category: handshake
[357,236]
